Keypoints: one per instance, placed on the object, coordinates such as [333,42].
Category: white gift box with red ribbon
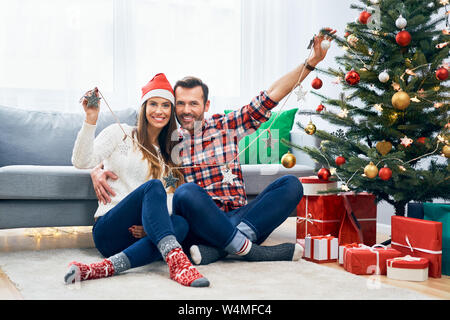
[407,268]
[312,186]
[321,249]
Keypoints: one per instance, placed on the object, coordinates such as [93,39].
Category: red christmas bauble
[385,173]
[352,77]
[317,83]
[320,108]
[403,38]
[421,140]
[364,17]
[324,174]
[340,160]
[442,74]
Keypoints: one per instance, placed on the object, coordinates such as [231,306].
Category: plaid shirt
[217,143]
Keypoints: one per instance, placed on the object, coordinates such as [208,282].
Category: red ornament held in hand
[316,83]
[340,161]
[352,77]
[442,74]
[385,173]
[403,38]
[324,174]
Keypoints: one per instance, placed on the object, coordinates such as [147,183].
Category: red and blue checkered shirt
[217,143]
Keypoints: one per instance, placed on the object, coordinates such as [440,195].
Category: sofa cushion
[258,177]
[46,138]
[45,183]
[281,127]
[68,183]
[46,213]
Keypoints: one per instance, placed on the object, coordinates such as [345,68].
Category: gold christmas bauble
[446,151]
[401,100]
[371,170]
[310,128]
[288,160]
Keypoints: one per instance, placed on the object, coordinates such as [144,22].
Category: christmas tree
[393,111]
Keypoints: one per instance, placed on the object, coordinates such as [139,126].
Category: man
[213,199]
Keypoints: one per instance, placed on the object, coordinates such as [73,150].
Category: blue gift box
[415,210]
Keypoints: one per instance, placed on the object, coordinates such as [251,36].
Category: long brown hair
[165,144]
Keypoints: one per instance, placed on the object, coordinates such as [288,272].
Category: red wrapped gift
[342,249]
[321,249]
[419,238]
[407,268]
[368,260]
[364,209]
[318,214]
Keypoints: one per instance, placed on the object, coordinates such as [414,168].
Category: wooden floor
[81,237]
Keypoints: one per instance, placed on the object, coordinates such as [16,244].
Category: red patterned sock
[95,270]
[182,271]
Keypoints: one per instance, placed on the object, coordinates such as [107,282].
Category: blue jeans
[146,206]
[210,225]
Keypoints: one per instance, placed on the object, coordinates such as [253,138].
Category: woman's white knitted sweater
[119,155]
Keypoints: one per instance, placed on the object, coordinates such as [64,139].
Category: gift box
[368,260]
[415,210]
[318,214]
[440,212]
[407,268]
[364,209]
[342,248]
[419,238]
[321,249]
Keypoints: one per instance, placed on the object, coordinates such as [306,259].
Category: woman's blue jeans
[146,206]
[210,225]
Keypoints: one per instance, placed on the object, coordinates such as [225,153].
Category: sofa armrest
[302,139]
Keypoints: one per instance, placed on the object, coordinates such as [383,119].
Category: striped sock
[245,249]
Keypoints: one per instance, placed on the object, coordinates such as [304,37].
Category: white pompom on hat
[159,86]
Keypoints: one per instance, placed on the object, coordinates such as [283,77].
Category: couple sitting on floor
[157,204]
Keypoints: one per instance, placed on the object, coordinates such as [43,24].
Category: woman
[141,199]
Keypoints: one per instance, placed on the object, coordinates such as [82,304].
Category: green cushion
[441,212]
[257,153]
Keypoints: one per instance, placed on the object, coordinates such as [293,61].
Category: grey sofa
[39,187]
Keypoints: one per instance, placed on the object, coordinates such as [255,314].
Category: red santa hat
[159,86]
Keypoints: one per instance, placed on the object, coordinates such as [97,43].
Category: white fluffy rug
[39,275]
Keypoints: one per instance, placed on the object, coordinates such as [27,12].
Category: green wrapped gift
[441,212]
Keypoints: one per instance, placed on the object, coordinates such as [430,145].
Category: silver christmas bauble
[325,45]
[383,77]
[401,22]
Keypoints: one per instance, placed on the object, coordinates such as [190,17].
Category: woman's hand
[92,108]
[137,231]
[319,53]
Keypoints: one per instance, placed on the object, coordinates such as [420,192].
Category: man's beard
[191,124]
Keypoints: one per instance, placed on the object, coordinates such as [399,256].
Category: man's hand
[137,231]
[319,53]
[99,181]
[280,88]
